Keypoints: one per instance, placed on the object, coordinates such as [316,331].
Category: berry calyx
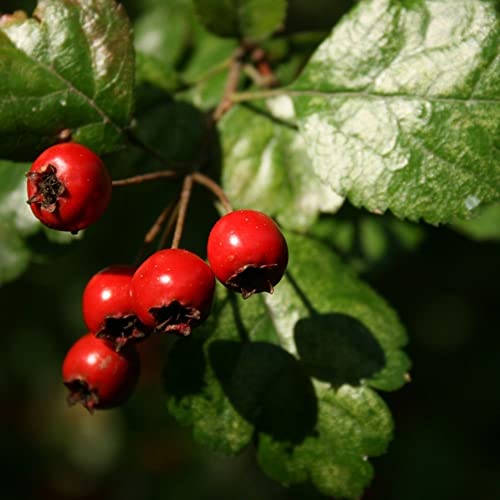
[68,187]
[172,291]
[247,252]
[97,376]
[107,306]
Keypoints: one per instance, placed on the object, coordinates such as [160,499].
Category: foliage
[397,109]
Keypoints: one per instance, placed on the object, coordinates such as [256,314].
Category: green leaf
[14,255]
[71,66]
[207,68]
[249,19]
[17,223]
[174,128]
[163,32]
[399,107]
[367,241]
[486,226]
[296,370]
[13,206]
[266,166]
[149,69]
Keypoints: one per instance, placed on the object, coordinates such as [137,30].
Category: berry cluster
[170,292]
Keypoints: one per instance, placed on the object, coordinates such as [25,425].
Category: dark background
[447,419]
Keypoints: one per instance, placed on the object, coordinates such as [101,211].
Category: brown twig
[232,82]
[156,227]
[165,174]
[176,212]
[152,176]
[214,188]
[169,226]
[263,81]
[187,187]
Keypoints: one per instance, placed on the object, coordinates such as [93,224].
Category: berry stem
[170,225]
[169,212]
[160,220]
[187,187]
[198,177]
[214,188]
[152,176]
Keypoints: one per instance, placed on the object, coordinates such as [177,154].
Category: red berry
[247,252]
[173,290]
[107,306]
[97,376]
[69,187]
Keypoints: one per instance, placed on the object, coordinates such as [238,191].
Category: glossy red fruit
[247,252]
[97,376]
[107,306]
[69,187]
[173,290]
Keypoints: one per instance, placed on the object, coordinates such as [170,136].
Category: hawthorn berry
[107,306]
[172,291]
[247,252]
[97,376]
[68,187]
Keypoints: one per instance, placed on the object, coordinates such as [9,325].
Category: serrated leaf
[297,370]
[69,67]
[353,423]
[485,227]
[266,166]
[399,107]
[249,19]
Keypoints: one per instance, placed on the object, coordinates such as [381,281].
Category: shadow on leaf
[185,371]
[334,347]
[338,348]
[267,386]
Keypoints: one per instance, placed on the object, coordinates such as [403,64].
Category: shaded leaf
[68,67]
[250,19]
[297,371]
[207,68]
[266,166]
[399,107]
[14,255]
[486,226]
[368,241]
[17,223]
[163,31]
[149,69]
